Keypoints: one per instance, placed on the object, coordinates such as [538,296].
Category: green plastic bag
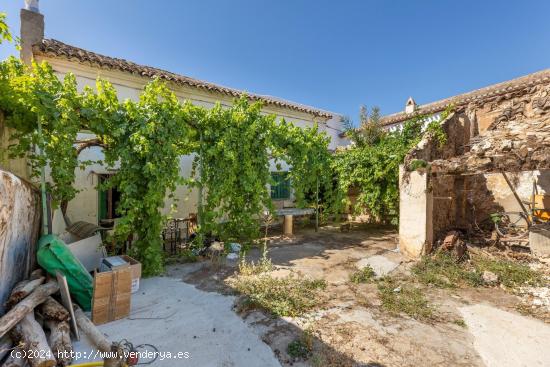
[53,255]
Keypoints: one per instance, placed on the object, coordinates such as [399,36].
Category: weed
[185,256]
[443,270]
[404,299]
[510,274]
[317,361]
[249,268]
[298,349]
[459,322]
[289,296]
[364,275]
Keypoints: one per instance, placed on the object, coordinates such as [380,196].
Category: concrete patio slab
[176,317]
[380,264]
[507,339]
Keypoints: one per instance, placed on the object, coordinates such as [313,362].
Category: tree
[370,130]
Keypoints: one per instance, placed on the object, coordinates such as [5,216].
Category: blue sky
[334,55]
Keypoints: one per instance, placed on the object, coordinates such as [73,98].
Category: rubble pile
[518,145]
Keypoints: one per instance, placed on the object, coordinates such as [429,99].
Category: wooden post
[26,306]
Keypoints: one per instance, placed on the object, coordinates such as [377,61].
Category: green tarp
[53,255]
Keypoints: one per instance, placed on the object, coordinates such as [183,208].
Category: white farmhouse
[91,205]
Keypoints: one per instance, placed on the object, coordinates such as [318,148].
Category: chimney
[410,106]
[32,29]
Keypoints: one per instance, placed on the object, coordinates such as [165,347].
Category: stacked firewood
[35,330]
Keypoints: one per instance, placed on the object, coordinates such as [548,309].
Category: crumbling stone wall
[532,101]
[507,131]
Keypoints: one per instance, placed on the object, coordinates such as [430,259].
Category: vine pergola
[144,140]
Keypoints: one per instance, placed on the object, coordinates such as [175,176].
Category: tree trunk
[53,310]
[19,311]
[16,359]
[22,290]
[60,341]
[29,332]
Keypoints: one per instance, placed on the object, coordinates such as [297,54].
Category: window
[280,189]
[108,200]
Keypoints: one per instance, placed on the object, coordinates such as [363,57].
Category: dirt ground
[350,328]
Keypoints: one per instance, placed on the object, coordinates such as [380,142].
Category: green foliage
[435,130]
[237,145]
[298,349]
[36,95]
[235,169]
[364,275]
[444,270]
[264,265]
[5,34]
[511,274]
[289,296]
[147,148]
[371,165]
[143,141]
[370,130]
[417,164]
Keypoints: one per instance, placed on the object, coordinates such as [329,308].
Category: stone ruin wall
[466,201]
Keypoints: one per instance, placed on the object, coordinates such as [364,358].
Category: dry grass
[250,268]
[398,299]
[445,271]
[288,296]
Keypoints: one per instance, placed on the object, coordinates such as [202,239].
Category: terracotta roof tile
[476,96]
[54,48]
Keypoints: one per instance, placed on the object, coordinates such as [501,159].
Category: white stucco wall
[85,205]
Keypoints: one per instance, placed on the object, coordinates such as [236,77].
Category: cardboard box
[135,266]
[112,295]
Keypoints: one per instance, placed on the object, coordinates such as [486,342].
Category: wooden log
[53,310]
[87,327]
[27,305]
[60,341]
[34,341]
[97,338]
[22,290]
[36,274]
[5,346]
[15,359]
